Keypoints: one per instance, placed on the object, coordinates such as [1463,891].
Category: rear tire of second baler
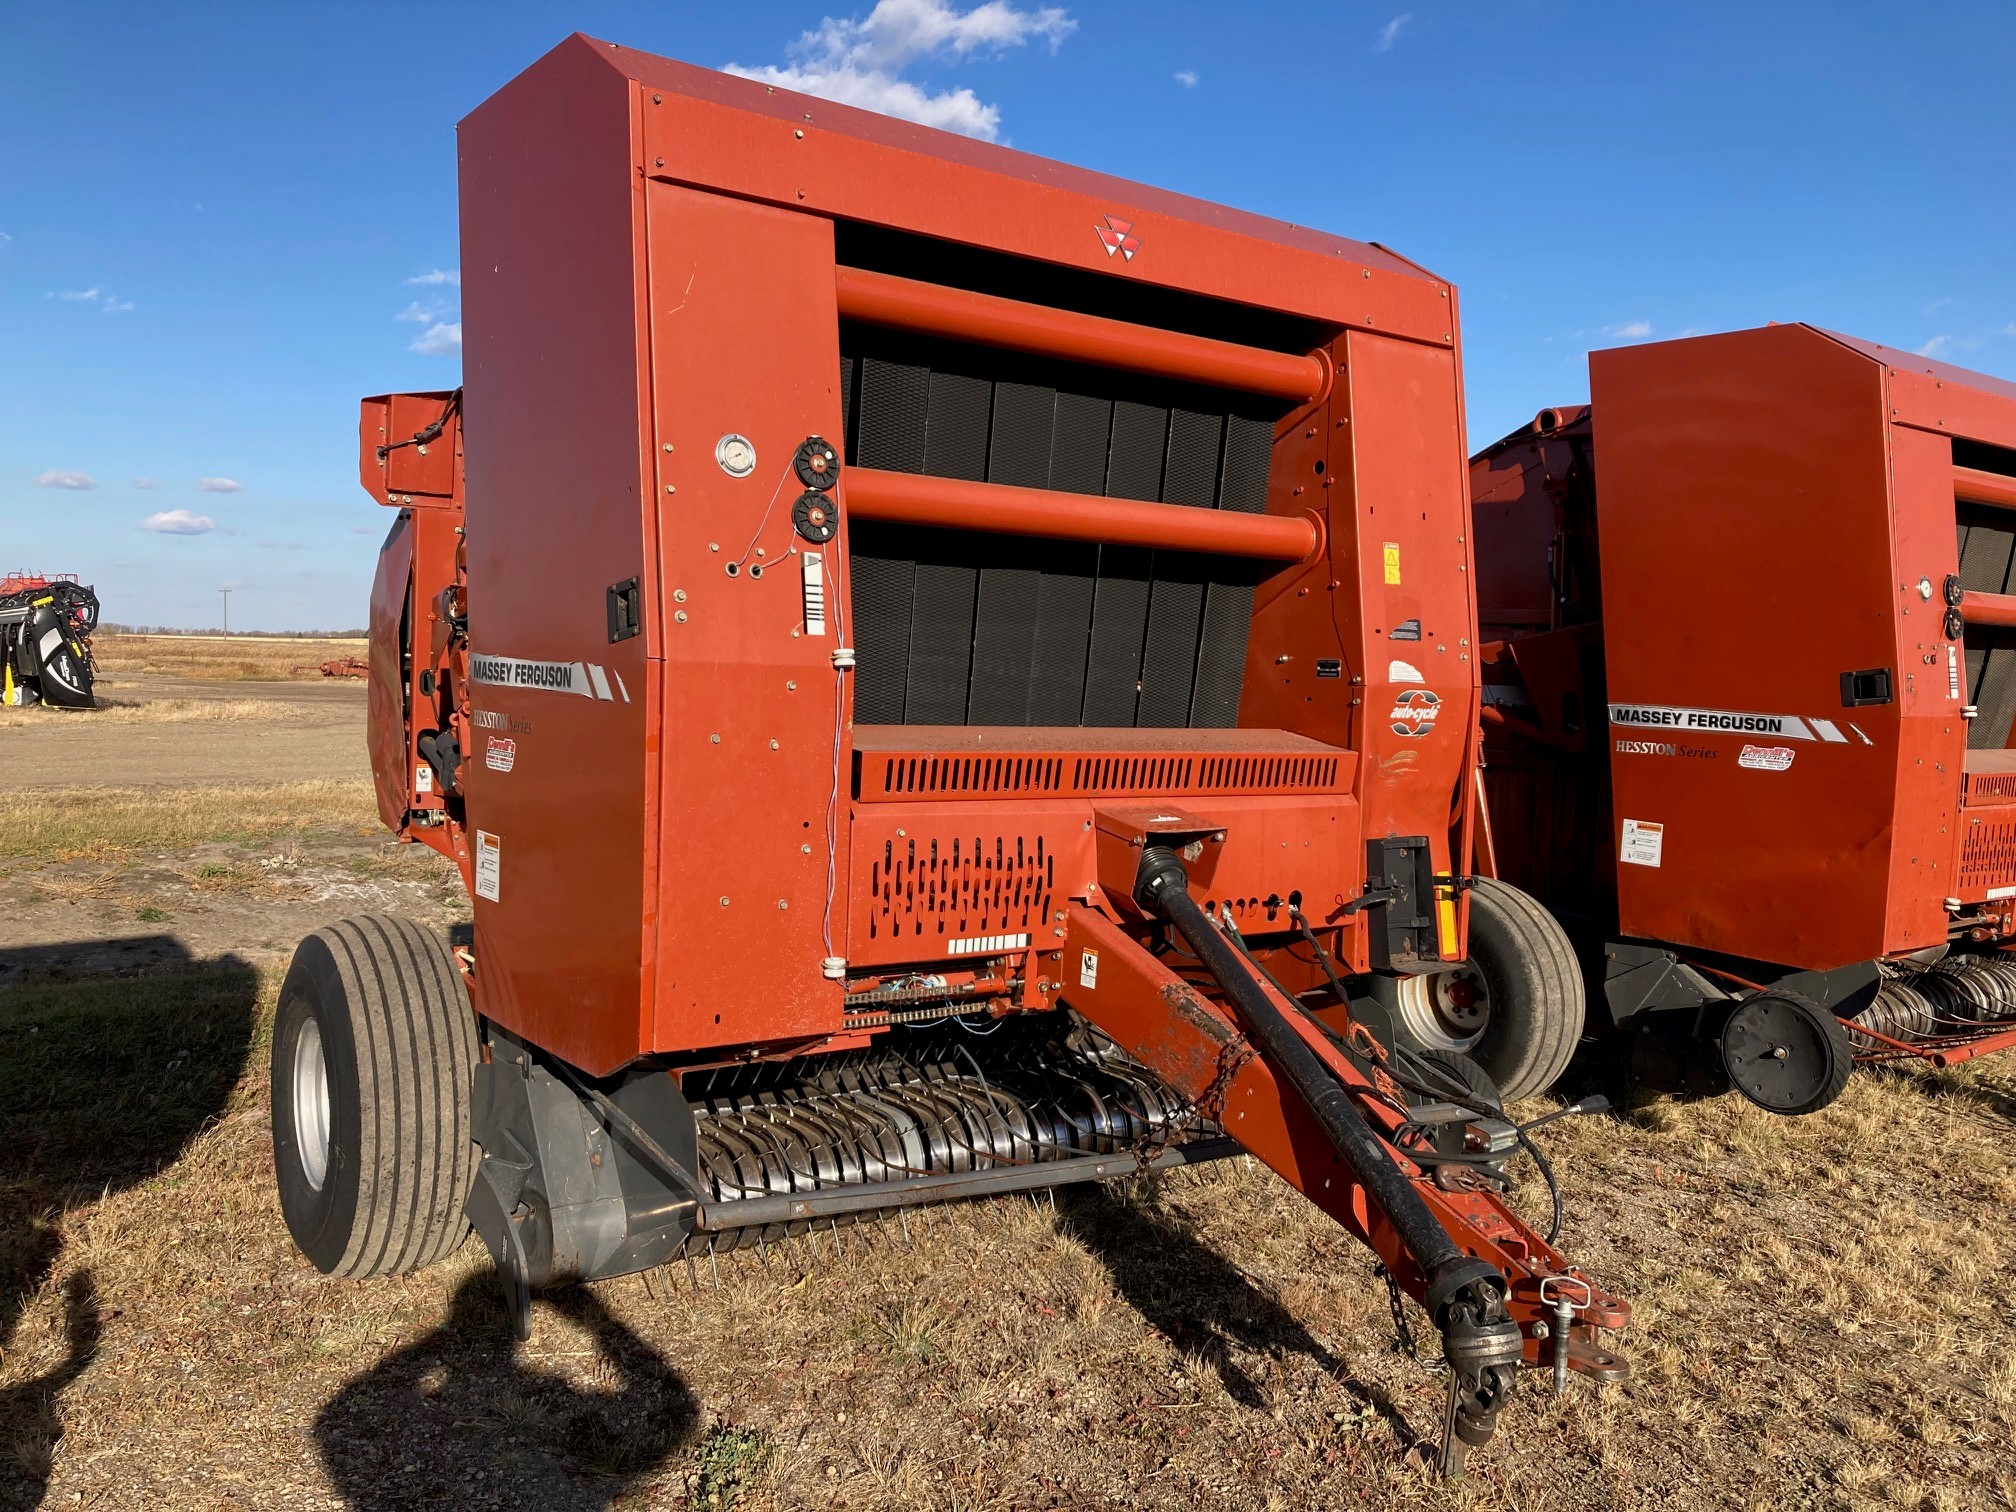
[1538,1004]
[397,1037]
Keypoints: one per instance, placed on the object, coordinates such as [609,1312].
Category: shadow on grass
[458,1419]
[104,1081]
[1202,1303]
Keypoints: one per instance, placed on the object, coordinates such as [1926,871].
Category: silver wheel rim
[311,1104]
[1446,1010]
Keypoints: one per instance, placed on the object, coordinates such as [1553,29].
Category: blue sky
[215,217]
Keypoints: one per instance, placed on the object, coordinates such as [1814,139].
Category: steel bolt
[798,134]
[724,902]
[713,545]
[714,739]
[668,446]
[678,595]
[773,745]
[670,489]
[680,617]
[783,903]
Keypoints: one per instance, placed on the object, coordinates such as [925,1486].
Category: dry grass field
[1826,1307]
[237,658]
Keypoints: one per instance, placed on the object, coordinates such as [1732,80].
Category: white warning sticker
[489,864]
[1088,968]
[586,679]
[423,778]
[1765,758]
[500,754]
[1643,844]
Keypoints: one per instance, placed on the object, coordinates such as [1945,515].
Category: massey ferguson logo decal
[1414,712]
[1118,236]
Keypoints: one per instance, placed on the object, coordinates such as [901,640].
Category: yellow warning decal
[1392,564]
[1445,918]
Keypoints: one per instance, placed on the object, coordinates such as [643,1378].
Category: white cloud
[858,61]
[1390,32]
[221,485]
[143,483]
[107,301]
[1631,330]
[178,522]
[1938,304]
[439,339]
[5,241]
[1187,77]
[57,478]
[418,314]
[1936,347]
[439,276]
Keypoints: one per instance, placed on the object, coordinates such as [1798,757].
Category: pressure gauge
[736,455]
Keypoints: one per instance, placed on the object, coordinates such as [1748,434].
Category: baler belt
[952,627]
[1987,546]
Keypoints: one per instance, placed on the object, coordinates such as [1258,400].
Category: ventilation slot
[1988,855]
[960,889]
[905,776]
[1985,785]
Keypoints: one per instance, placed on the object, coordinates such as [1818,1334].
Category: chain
[1231,1060]
[1433,1364]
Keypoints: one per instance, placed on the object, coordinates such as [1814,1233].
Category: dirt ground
[301,731]
[1825,1308]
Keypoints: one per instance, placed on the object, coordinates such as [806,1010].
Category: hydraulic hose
[1162,886]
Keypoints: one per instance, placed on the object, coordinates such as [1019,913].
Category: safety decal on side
[1088,968]
[1406,629]
[1400,671]
[1643,844]
[489,864]
[1392,564]
[1766,758]
[423,778]
[1727,722]
[500,754]
[585,678]
[1414,712]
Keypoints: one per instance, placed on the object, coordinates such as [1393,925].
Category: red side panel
[553,363]
[1750,558]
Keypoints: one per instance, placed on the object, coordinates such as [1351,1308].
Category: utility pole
[226,592]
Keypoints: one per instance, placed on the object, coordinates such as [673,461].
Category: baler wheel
[1786,1053]
[1523,977]
[374,1052]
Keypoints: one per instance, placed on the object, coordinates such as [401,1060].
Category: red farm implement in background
[1750,677]
[925,706]
[46,620]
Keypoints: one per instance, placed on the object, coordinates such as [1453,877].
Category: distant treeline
[107,627]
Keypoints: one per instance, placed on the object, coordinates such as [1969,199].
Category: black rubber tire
[1462,1073]
[1825,1053]
[399,1050]
[1537,1001]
